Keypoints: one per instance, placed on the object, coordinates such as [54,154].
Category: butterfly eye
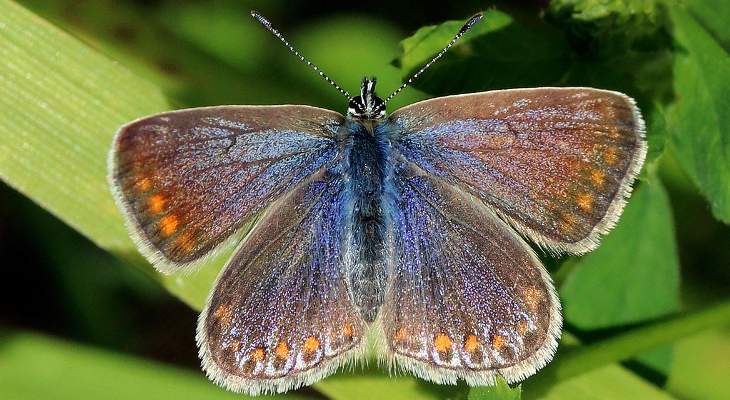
[366,109]
[356,109]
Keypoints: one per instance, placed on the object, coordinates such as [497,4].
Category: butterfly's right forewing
[188,180]
[556,163]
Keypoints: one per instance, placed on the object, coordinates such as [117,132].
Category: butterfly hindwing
[556,163]
[467,297]
[280,315]
[188,180]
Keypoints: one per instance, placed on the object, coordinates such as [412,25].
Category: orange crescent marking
[311,345]
[471,343]
[282,351]
[442,343]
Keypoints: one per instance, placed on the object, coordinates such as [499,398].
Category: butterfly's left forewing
[467,298]
[280,315]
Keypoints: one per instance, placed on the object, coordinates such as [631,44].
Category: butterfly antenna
[265,22]
[461,33]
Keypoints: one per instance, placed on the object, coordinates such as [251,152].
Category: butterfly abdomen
[366,165]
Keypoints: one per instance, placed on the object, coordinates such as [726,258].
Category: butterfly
[398,233]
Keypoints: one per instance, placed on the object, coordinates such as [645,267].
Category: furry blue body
[367,167]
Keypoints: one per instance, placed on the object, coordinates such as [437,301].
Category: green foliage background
[83,315]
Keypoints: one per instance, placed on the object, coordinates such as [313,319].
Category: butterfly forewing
[467,298]
[187,180]
[556,163]
[280,315]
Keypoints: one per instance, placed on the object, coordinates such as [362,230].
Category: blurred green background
[82,315]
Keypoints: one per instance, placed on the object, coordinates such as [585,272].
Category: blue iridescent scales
[407,226]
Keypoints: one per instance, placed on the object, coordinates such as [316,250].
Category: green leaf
[376,383]
[498,52]
[500,391]
[605,28]
[700,367]
[38,367]
[134,34]
[60,103]
[611,382]
[58,121]
[713,15]
[698,121]
[634,275]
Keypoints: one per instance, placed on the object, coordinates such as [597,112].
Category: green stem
[581,359]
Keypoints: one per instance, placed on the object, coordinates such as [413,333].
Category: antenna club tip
[261,18]
[473,20]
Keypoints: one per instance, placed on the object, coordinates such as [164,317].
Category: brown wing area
[556,163]
[467,297]
[188,180]
[280,315]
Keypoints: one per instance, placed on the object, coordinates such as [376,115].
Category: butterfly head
[367,106]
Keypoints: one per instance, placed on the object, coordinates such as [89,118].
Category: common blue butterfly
[406,226]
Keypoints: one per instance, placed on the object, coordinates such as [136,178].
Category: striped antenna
[265,22]
[462,31]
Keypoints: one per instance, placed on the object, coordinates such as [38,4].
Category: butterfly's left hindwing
[280,315]
[467,298]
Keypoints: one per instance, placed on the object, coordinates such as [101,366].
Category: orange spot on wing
[471,343]
[532,297]
[282,351]
[168,225]
[567,223]
[221,311]
[311,345]
[257,355]
[585,202]
[223,314]
[347,330]
[442,343]
[143,184]
[498,341]
[522,329]
[236,344]
[402,334]
[156,203]
[609,155]
[598,177]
